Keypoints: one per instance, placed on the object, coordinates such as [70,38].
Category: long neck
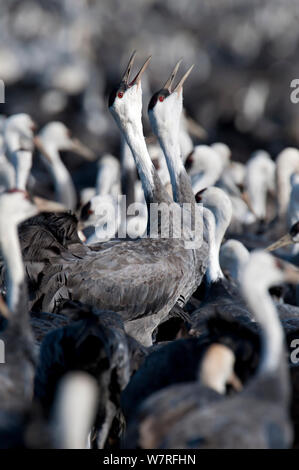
[128,172]
[283,174]
[170,147]
[64,187]
[258,198]
[11,252]
[259,301]
[105,180]
[7,172]
[151,183]
[214,272]
[180,181]
[186,143]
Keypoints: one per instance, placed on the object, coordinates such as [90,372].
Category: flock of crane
[140,341]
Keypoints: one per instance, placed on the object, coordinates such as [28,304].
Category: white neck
[258,197]
[222,213]
[135,139]
[12,255]
[255,291]
[233,258]
[287,163]
[204,179]
[213,272]
[7,172]
[127,158]
[169,142]
[64,186]
[22,162]
[105,180]
[186,143]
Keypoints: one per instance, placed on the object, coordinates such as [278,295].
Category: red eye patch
[120,94]
[161,98]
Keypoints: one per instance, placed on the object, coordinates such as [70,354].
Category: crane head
[56,135]
[125,100]
[166,105]
[19,132]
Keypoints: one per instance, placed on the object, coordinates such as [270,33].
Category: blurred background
[59,58]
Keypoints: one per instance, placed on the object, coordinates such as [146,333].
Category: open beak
[126,75]
[283,241]
[169,81]
[40,147]
[179,86]
[81,149]
[137,79]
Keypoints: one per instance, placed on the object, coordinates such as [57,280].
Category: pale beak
[45,205]
[80,228]
[169,81]
[126,75]
[4,310]
[40,146]
[283,241]
[81,149]
[179,86]
[81,236]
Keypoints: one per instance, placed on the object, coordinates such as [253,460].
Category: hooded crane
[141,279]
[54,137]
[221,293]
[178,361]
[96,343]
[267,395]
[208,386]
[18,143]
[165,111]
